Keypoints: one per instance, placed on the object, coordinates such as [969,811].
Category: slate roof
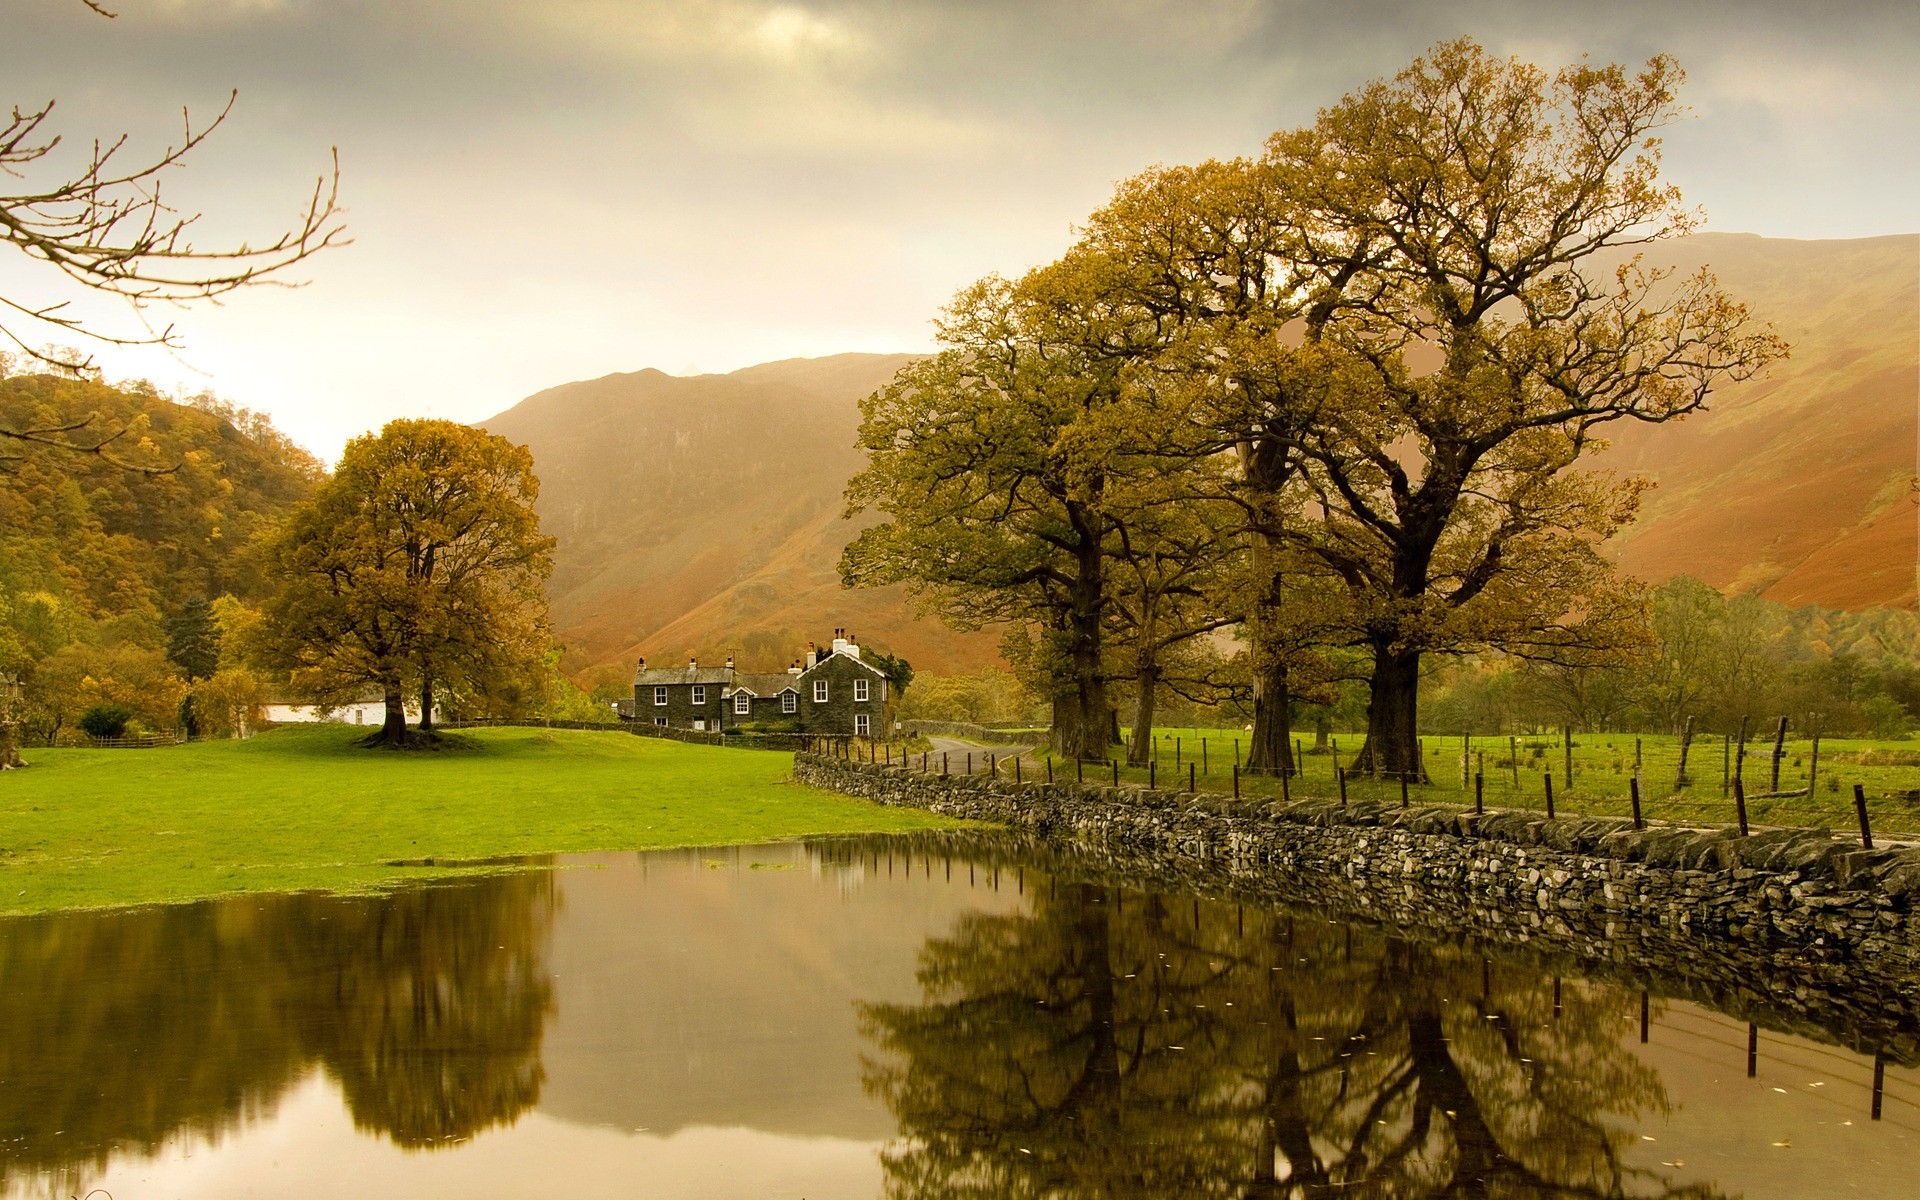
[654,676]
[766,685]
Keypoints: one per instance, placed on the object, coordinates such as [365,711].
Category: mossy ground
[307,808]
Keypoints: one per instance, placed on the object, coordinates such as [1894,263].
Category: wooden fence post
[1740,754]
[1566,749]
[1686,742]
[1341,773]
[1740,804]
[1236,781]
[1860,808]
[1479,792]
[1633,789]
[1779,752]
[1191,790]
[1547,778]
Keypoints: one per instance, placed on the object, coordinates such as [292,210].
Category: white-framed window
[861,724]
[819,691]
[742,703]
[659,695]
[859,689]
[699,693]
[660,721]
[789,702]
[699,725]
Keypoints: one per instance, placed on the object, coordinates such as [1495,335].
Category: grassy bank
[1603,766]
[304,808]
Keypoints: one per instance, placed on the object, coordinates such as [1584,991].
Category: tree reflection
[122,1029]
[1113,1044]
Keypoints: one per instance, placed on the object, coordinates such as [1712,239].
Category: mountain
[702,515]
[1797,486]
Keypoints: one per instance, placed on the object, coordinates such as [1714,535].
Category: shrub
[106,720]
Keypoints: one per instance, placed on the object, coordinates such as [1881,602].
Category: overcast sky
[548,190]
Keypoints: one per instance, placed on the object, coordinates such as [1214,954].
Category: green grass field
[1603,764]
[304,808]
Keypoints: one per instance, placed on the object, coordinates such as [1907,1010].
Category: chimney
[729,662]
[813,655]
[853,647]
[839,641]
[642,665]
[795,668]
[693,664]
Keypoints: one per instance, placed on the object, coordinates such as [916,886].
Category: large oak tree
[419,565]
[1461,228]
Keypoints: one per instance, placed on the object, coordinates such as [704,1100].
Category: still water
[857,1019]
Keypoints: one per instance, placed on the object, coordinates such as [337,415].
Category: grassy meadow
[305,808]
[1603,763]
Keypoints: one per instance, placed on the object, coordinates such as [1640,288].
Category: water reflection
[122,1029]
[860,1017]
[1112,1044]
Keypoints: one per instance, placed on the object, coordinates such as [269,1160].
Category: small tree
[105,720]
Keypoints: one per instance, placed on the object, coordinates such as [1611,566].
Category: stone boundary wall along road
[1810,919]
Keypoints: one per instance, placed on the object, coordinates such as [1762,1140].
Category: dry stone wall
[1811,920]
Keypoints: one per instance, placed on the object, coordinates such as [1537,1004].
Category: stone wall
[1813,916]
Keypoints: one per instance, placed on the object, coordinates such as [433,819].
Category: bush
[106,720]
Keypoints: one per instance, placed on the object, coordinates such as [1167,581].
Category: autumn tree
[1189,270]
[1464,231]
[419,565]
[991,514]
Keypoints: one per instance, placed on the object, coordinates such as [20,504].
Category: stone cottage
[830,693]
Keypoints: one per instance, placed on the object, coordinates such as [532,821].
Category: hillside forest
[134,587]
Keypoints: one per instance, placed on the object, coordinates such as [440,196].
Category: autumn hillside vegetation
[101,560]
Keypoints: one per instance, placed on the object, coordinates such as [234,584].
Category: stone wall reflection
[1112,1044]
[123,1029]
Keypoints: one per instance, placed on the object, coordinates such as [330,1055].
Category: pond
[939,1017]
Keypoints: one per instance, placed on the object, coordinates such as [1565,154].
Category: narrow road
[957,750]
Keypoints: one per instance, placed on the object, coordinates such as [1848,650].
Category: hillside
[702,515]
[1796,486]
[84,542]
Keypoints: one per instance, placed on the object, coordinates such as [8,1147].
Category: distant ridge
[701,515]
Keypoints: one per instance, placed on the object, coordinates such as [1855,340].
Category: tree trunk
[393,729]
[1322,727]
[1147,680]
[426,704]
[1272,750]
[1393,710]
[1086,732]
[9,748]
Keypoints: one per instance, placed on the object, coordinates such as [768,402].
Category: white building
[358,712]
